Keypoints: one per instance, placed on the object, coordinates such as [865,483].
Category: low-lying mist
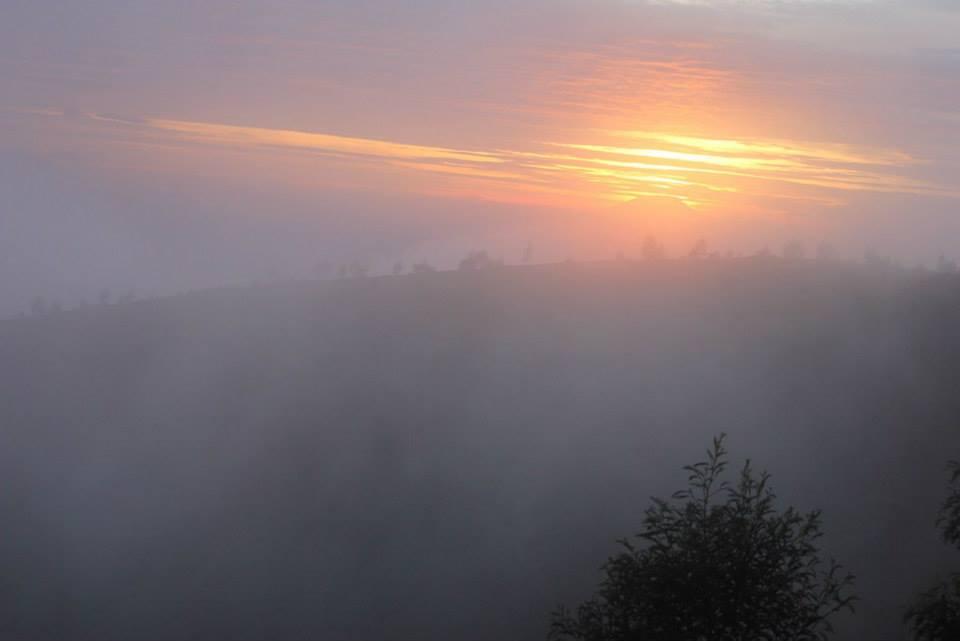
[450,455]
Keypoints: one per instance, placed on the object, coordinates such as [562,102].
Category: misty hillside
[450,455]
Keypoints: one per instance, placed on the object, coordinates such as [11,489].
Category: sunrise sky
[191,138]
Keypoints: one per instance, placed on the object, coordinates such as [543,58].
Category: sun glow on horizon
[697,171]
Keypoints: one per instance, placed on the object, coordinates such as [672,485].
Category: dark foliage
[949,519]
[935,615]
[718,562]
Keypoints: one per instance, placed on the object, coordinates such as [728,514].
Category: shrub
[719,561]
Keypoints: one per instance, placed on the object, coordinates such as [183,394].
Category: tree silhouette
[794,250]
[876,260]
[946,265]
[652,249]
[39,306]
[825,252]
[357,269]
[475,260]
[699,250]
[423,268]
[949,519]
[935,615]
[717,562]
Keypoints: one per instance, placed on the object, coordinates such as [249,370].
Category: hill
[449,455]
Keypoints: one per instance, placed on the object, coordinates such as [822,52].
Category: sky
[166,146]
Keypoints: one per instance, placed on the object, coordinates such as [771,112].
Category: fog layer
[451,455]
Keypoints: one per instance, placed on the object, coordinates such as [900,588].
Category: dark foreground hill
[450,455]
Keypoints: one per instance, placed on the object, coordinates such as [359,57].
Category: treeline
[651,250]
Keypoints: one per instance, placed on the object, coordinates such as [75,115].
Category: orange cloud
[694,170]
[263,137]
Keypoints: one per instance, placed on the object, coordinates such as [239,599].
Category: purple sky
[166,146]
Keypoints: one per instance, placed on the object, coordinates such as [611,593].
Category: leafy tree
[877,260]
[717,562]
[476,260]
[357,270]
[699,250]
[949,519]
[39,306]
[946,265]
[794,250]
[935,615]
[423,268]
[652,249]
[825,252]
